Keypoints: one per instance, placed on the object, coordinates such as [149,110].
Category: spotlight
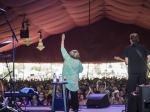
[24,33]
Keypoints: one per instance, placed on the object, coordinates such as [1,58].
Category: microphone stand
[13,53]
[6,60]
[13,45]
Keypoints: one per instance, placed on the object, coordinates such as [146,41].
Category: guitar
[120,59]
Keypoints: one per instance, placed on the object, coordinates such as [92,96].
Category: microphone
[2,10]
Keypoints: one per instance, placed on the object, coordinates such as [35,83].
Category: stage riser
[35,110]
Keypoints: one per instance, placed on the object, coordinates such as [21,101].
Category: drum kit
[4,106]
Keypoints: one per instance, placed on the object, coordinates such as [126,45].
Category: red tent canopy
[111,23]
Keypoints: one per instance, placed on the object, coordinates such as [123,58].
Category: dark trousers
[133,80]
[133,103]
[74,100]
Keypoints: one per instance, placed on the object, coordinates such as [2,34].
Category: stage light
[28,41]
[24,33]
[40,44]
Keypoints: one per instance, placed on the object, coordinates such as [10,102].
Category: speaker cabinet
[98,101]
[144,98]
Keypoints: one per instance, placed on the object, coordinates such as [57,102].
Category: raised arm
[62,40]
[63,50]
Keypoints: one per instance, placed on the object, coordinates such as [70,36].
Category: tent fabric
[108,39]
[54,17]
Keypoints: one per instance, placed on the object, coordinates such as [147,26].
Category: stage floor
[111,108]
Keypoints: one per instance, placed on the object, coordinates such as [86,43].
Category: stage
[111,108]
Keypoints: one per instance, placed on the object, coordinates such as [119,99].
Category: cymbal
[5,55]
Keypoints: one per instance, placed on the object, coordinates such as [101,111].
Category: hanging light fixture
[24,33]
[28,41]
[40,44]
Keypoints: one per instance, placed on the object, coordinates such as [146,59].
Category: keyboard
[18,94]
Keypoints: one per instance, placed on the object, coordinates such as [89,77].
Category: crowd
[113,87]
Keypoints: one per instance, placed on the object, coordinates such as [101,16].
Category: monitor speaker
[144,98]
[98,101]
